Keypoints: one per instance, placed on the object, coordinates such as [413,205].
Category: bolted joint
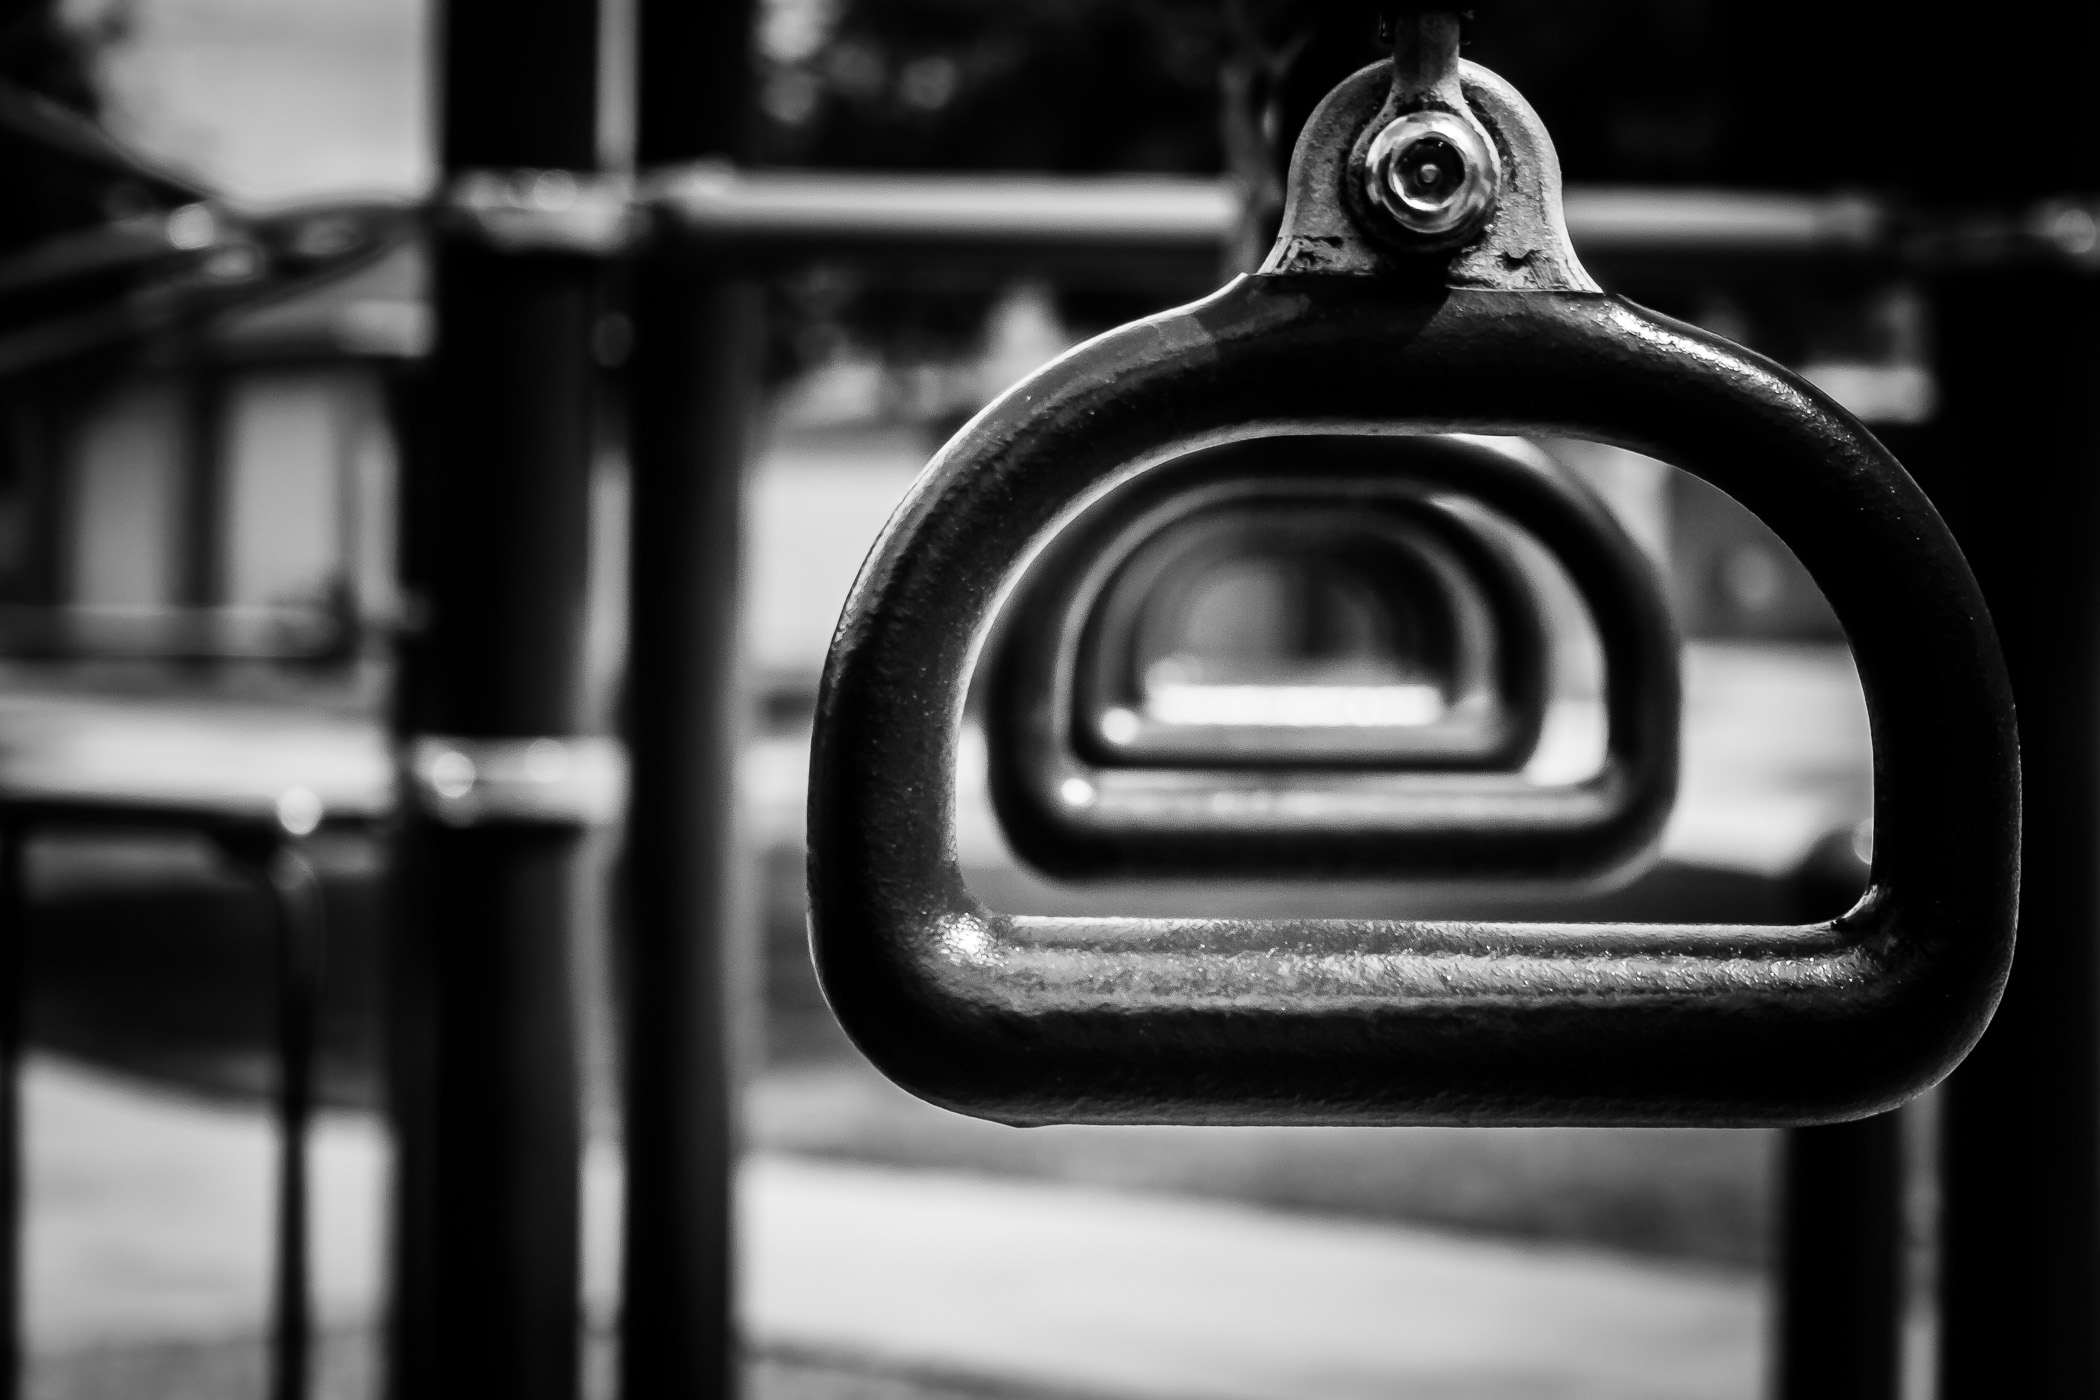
[1435,175]
[541,211]
[1430,176]
[571,780]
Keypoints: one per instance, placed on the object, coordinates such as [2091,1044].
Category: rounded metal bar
[115,286]
[13,1008]
[577,780]
[826,209]
[1840,1304]
[1139,1020]
[787,216]
[295,893]
[689,1007]
[484,1082]
[2017,445]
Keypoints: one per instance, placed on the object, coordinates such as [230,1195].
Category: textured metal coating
[1037,1020]
[1042,1020]
[1328,226]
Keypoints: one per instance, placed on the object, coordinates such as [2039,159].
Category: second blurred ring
[1309,656]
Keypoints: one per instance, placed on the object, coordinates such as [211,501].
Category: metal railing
[484,1094]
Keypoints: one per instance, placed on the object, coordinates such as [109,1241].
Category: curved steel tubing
[1042,1020]
[1441,801]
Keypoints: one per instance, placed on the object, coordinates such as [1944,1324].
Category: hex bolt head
[1433,173]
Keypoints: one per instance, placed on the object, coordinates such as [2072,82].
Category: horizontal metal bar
[136,761]
[540,211]
[778,213]
[120,284]
[764,209]
[219,632]
[1622,222]
[149,241]
[1153,230]
[295,811]
[547,781]
[792,214]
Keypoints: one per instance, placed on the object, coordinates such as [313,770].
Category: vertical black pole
[2013,460]
[203,550]
[1841,1277]
[2019,365]
[696,342]
[496,534]
[13,1001]
[1840,1285]
[296,904]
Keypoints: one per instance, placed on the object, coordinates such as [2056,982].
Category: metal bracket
[1522,247]
[543,211]
[569,781]
[770,218]
[1104,1018]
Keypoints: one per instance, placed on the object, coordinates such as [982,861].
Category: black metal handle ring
[1037,1020]
[1452,806]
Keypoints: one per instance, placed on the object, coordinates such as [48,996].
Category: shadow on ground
[347,1368]
[150,953]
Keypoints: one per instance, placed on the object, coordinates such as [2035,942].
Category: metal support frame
[1839,1311]
[12,1010]
[2019,356]
[271,855]
[2013,461]
[1139,228]
[496,519]
[295,895]
[688,962]
[485,1092]
[260,833]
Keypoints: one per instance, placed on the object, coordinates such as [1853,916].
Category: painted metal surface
[2015,453]
[689,964]
[1044,1019]
[484,1090]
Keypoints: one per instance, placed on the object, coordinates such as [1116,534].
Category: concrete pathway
[148,1220]
[1127,1294]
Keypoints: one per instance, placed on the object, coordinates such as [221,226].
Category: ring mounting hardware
[1434,174]
[1035,1019]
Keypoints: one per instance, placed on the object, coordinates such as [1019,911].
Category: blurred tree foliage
[1064,86]
[1073,86]
[60,171]
[1632,89]
[42,54]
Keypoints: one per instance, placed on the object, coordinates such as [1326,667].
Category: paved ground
[1047,1276]
[147,1246]
[1154,1296]
[1700,1195]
